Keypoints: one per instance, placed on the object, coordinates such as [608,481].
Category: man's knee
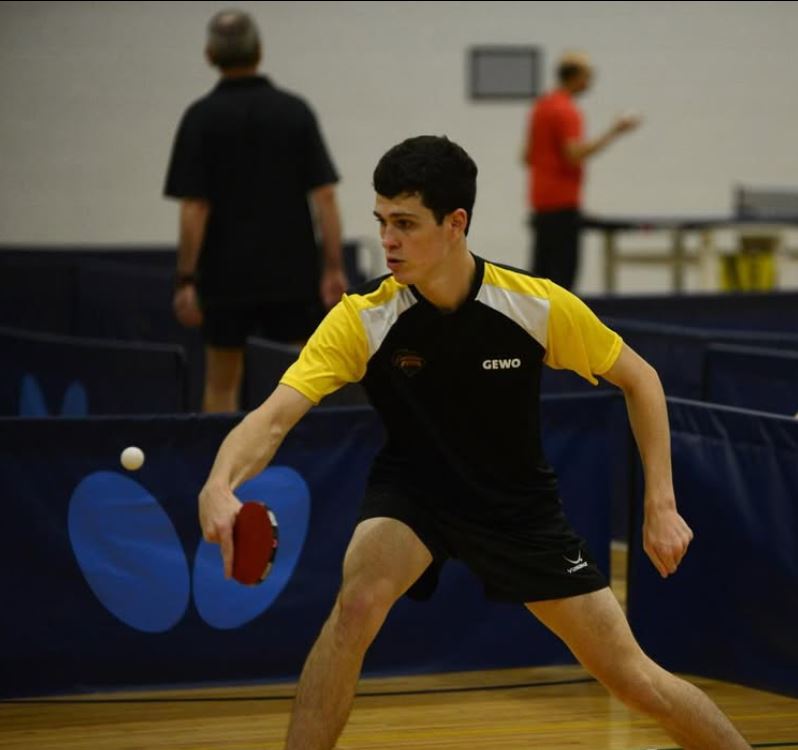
[360,610]
[640,685]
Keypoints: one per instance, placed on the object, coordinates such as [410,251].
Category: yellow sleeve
[336,354]
[576,339]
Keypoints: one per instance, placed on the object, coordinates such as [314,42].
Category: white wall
[91,94]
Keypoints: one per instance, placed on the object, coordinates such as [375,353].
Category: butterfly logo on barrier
[75,402]
[133,560]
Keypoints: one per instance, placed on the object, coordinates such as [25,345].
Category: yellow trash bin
[753,267]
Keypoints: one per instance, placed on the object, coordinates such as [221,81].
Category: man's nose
[388,238]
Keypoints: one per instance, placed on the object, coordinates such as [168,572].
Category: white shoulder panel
[379,320]
[528,311]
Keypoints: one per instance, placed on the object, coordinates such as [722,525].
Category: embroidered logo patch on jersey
[410,363]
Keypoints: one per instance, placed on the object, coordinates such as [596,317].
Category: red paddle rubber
[254,543]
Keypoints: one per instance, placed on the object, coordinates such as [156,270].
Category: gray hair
[233,40]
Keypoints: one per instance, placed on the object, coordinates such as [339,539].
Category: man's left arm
[577,150]
[194,214]
[333,278]
[666,535]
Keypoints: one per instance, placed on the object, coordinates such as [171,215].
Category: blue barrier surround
[776,311]
[265,362]
[117,300]
[38,296]
[773,311]
[751,378]
[48,374]
[678,353]
[750,311]
[124,292]
[730,611]
[70,624]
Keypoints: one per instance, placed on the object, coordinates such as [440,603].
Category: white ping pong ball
[132,458]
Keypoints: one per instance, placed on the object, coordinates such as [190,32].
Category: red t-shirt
[554,182]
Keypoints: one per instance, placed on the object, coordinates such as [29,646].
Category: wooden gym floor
[557,708]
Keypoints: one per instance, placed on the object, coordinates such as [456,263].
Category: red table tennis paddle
[254,543]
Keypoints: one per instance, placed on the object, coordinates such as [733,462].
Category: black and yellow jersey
[458,391]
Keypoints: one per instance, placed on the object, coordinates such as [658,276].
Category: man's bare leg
[594,627]
[384,558]
[224,371]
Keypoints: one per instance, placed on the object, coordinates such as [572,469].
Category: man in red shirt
[555,152]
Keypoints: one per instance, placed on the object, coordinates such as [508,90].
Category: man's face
[415,245]
[583,80]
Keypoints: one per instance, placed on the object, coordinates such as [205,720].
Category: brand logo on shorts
[501,364]
[577,564]
[410,363]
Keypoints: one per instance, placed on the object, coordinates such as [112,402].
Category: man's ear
[458,219]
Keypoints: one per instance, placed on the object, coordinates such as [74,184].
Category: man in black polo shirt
[247,162]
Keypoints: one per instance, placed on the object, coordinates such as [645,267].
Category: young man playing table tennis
[450,348]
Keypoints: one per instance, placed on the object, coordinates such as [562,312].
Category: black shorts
[522,561]
[228,324]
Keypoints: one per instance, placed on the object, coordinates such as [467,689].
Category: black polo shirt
[254,152]
[459,391]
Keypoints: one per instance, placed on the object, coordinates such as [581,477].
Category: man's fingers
[217,515]
[680,548]
[666,543]
[226,545]
[210,536]
[667,557]
[660,566]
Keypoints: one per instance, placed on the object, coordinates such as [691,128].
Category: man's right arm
[245,452]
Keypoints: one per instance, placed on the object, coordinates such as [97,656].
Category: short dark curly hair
[439,171]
